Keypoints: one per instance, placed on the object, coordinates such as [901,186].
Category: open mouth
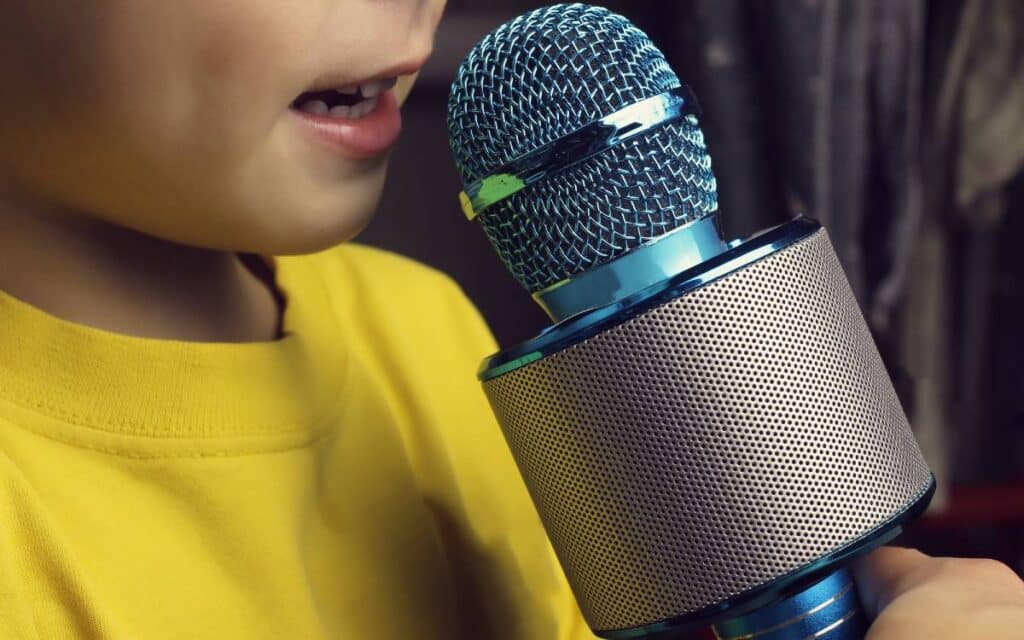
[352,101]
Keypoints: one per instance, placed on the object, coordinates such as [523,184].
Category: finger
[886,573]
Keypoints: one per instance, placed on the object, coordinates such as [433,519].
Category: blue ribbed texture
[827,610]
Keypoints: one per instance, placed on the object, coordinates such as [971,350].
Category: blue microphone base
[830,609]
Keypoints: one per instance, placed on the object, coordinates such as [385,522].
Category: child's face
[173,118]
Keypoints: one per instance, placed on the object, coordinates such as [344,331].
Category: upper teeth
[369,89]
[369,92]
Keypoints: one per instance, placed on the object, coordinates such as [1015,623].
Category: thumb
[886,573]
[911,595]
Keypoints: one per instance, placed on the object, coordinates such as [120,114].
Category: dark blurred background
[900,125]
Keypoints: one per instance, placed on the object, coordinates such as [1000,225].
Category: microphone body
[707,429]
[721,441]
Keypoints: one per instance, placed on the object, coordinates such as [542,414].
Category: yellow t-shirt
[345,481]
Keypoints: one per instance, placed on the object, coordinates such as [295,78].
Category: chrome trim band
[648,264]
[594,138]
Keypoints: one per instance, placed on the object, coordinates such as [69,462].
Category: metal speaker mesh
[542,76]
[712,444]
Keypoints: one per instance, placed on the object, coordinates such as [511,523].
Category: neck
[98,274]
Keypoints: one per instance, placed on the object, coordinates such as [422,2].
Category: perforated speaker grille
[714,443]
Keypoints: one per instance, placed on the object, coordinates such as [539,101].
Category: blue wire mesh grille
[542,76]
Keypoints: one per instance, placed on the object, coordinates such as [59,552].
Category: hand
[911,595]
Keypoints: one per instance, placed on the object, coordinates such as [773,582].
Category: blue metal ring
[648,264]
[585,325]
[829,608]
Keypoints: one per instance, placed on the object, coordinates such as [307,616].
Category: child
[201,441]
[197,443]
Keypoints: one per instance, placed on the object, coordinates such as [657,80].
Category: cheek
[190,77]
[47,62]
[251,60]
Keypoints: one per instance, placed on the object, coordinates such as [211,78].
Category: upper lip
[334,80]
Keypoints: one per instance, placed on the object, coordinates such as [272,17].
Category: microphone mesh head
[542,76]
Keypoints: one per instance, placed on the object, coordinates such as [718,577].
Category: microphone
[706,429]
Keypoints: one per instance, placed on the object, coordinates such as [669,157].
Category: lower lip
[359,138]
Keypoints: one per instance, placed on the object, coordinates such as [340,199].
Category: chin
[304,234]
[305,221]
